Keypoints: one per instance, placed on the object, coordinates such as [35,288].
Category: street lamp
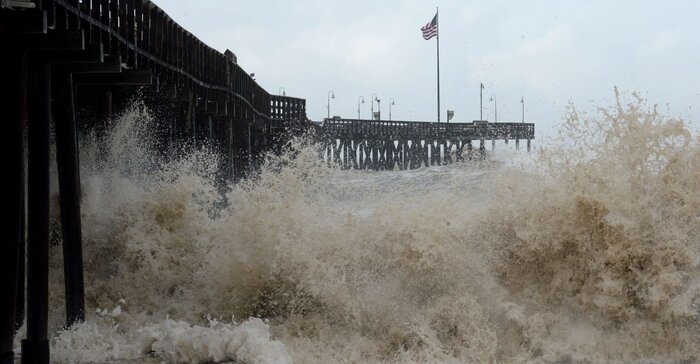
[374,98]
[481,101]
[522,101]
[379,110]
[391,102]
[358,106]
[282,92]
[495,107]
[331,95]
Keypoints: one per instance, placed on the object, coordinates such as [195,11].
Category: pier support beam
[35,348]
[426,158]
[459,145]
[353,155]
[12,103]
[69,186]
[448,152]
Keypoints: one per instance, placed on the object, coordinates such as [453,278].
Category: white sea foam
[586,251]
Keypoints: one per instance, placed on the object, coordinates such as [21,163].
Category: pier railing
[388,144]
[383,129]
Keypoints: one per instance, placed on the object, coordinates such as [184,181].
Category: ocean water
[585,250]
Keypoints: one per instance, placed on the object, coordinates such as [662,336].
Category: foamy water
[585,251]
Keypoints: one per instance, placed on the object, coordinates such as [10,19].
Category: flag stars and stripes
[431,29]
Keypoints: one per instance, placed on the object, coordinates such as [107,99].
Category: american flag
[431,29]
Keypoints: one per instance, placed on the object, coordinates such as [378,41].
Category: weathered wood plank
[125,78]
[58,40]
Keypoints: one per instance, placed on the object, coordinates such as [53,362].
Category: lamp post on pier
[331,95]
[495,107]
[522,101]
[358,106]
[481,101]
[379,110]
[282,92]
[391,102]
[374,98]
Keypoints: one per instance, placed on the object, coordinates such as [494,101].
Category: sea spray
[589,253]
[600,251]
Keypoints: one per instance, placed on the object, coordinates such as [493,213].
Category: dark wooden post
[106,108]
[13,79]
[69,185]
[210,131]
[111,19]
[470,153]
[344,149]
[231,162]
[250,148]
[369,154]
[201,126]
[173,127]
[348,151]
[360,146]
[391,155]
[403,144]
[35,348]
[190,110]
[434,153]
[448,151]
[426,158]
[337,145]
[458,153]
[412,154]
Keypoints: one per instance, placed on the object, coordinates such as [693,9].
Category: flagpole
[438,63]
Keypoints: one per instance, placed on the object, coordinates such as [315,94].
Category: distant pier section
[387,144]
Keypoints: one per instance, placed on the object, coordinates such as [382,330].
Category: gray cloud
[549,52]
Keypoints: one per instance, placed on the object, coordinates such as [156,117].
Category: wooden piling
[426,156]
[459,145]
[69,188]
[470,151]
[448,152]
[35,348]
[434,153]
[12,104]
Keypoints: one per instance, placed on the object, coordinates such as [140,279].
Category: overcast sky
[550,52]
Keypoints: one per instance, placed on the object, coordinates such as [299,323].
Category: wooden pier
[70,65]
[386,145]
